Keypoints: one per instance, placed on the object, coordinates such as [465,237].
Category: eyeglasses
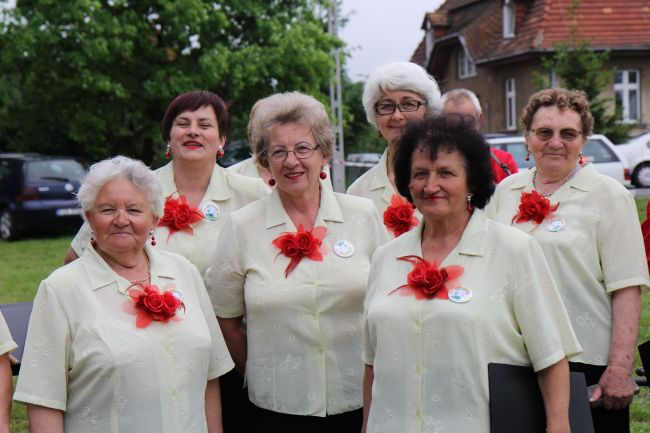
[403,107]
[301,150]
[566,134]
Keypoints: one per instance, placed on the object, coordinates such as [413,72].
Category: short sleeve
[225,277]
[7,344]
[81,239]
[44,371]
[620,247]
[220,360]
[539,310]
[369,342]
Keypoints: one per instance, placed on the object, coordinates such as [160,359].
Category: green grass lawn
[25,263]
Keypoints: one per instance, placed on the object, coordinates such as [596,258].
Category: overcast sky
[382,31]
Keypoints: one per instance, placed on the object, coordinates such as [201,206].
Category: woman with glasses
[394,95]
[588,228]
[296,263]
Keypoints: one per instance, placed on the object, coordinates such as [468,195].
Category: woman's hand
[615,387]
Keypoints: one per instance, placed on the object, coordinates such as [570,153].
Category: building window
[511,107]
[428,41]
[466,66]
[508,19]
[626,90]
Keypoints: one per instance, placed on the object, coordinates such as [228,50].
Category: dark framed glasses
[566,134]
[403,107]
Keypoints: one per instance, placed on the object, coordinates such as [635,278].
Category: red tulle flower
[179,215]
[150,304]
[303,243]
[398,217]
[533,207]
[427,280]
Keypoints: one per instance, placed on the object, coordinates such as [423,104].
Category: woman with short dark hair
[454,294]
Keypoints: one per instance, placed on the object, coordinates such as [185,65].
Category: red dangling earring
[153,238]
[527,156]
[168,152]
[272,182]
[470,208]
[580,160]
[220,152]
[323,175]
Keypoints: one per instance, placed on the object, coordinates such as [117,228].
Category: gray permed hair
[121,167]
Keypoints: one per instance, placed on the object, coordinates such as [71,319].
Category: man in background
[465,103]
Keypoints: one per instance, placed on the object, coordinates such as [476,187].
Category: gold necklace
[568,178]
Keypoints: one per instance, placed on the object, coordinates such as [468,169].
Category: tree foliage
[580,67]
[93,77]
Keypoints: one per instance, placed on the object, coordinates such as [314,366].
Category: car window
[597,151]
[518,151]
[54,169]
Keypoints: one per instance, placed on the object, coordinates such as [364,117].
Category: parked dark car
[37,193]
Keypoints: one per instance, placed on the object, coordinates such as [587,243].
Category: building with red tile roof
[492,47]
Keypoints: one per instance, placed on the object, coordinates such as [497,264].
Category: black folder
[516,403]
[17,318]
[644,352]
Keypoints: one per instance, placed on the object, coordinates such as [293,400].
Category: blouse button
[418,369]
[321,350]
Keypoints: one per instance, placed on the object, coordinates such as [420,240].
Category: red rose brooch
[303,243]
[533,207]
[149,304]
[426,280]
[179,215]
[398,217]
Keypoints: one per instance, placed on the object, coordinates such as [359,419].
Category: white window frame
[511,104]
[466,66]
[624,88]
[508,17]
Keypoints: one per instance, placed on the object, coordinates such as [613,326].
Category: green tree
[358,134]
[93,77]
[580,67]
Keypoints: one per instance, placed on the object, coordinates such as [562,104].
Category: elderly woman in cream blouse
[296,265]
[455,294]
[124,338]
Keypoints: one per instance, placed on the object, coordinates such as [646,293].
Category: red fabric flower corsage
[303,243]
[398,217]
[533,207]
[179,215]
[150,304]
[427,280]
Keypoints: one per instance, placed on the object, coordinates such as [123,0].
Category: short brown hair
[563,99]
[192,101]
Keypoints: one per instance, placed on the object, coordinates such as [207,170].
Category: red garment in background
[505,158]
[645,229]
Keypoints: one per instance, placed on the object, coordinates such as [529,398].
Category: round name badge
[211,210]
[343,248]
[556,224]
[460,295]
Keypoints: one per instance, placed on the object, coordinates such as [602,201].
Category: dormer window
[466,66]
[508,19]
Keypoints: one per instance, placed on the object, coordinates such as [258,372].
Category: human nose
[291,158]
[397,114]
[192,130]
[120,218]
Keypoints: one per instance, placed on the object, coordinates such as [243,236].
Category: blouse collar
[329,210]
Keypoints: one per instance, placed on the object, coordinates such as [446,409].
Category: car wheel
[8,230]
[641,176]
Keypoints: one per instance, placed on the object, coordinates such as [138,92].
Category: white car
[637,153]
[605,156]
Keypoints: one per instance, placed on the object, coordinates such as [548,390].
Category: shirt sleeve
[7,344]
[225,277]
[369,339]
[539,310]
[620,246]
[81,240]
[220,360]
[43,379]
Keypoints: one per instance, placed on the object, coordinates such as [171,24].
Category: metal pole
[336,105]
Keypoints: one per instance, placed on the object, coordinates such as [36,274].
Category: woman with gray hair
[296,265]
[394,95]
[124,338]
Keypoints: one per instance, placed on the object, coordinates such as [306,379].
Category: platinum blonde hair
[121,167]
[400,76]
[285,108]
[454,96]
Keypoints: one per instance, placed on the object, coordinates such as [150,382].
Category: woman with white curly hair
[124,338]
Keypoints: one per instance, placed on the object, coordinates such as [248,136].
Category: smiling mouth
[192,144]
[293,175]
